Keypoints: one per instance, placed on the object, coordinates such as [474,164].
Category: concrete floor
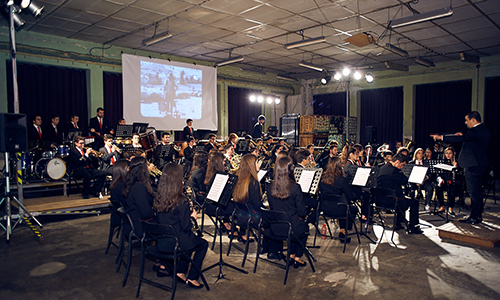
[71,264]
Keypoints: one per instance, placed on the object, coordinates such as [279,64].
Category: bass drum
[54,168]
[148,140]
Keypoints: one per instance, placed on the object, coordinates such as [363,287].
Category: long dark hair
[333,171]
[200,160]
[119,172]
[215,164]
[245,173]
[169,188]
[137,173]
[283,175]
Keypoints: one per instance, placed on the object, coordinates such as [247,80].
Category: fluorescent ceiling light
[435,14]
[260,71]
[311,66]
[469,58]
[395,66]
[229,61]
[157,38]
[307,42]
[424,62]
[396,50]
[284,77]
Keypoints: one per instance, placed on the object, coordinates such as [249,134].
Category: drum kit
[51,165]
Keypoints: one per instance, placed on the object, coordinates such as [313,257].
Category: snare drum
[148,140]
[48,154]
[63,150]
[55,168]
[26,161]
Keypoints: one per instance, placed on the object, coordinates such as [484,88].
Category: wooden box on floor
[305,139]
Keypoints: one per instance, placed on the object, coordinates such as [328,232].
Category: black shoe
[297,264]
[344,239]
[189,284]
[397,227]
[273,255]
[415,230]
[242,240]
[451,213]
[85,196]
[470,220]
[181,280]
[162,273]
[156,266]
[263,251]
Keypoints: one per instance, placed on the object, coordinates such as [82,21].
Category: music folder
[445,167]
[361,176]
[261,174]
[221,189]
[308,179]
[417,174]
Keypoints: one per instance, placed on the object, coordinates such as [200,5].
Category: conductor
[258,128]
[473,159]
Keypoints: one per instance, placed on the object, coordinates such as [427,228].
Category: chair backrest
[279,223]
[166,237]
[331,202]
[383,193]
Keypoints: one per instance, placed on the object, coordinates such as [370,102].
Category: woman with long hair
[247,189]
[117,200]
[333,182]
[138,193]
[197,178]
[285,195]
[173,208]
[427,186]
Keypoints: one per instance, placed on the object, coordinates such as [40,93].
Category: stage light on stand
[357,75]
[326,79]
[369,78]
[277,101]
[346,71]
[34,8]
[269,100]
[260,99]
[337,76]
[253,98]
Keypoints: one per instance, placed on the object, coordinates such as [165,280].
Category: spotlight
[269,100]
[260,99]
[277,101]
[326,79]
[18,21]
[346,71]
[253,98]
[35,9]
[337,76]
[357,75]
[369,78]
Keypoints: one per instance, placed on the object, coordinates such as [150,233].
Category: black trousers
[473,179]
[200,250]
[403,205]
[87,175]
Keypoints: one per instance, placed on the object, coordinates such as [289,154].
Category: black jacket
[475,142]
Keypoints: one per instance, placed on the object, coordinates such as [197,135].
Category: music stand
[139,127]
[443,169]
[124,130]
[242,147]
[220,193]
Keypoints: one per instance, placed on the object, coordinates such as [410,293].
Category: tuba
[408,143]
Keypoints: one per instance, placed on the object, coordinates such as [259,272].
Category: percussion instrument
[148,140]
[62,151]
[48,154]
[27,162]
[55,168]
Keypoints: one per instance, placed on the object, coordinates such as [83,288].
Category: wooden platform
[485,234]
[64,203]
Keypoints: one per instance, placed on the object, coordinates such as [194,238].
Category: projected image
[170,91]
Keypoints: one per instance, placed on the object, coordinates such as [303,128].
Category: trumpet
[93,152]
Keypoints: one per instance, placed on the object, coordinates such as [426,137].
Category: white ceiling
[258,29]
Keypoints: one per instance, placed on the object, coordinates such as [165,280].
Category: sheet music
[361,177]
[444,167]
[261,174]
[217,187]
[418,174]
[306,179]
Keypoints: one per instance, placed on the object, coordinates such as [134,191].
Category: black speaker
[371,134]
[13,133]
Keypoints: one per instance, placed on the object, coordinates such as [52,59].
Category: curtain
[242,114]
[330,104]
[48,90]
[113,98]
[383,109]
[440,108]
[492,121]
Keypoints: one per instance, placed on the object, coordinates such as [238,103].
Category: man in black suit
[188,157]
[473,159]
[111,154]
[53,133]
[164,152]
[188,130]
[211,143]
[391,177]
[258,128]
[72,129]
[98,127]
[80,164]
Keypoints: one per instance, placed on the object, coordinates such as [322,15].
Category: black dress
[139,205]
[339,187]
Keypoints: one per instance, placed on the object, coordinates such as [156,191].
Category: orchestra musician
[115,190]
[311,203]
[71,129]
[81,169]
[332,152]
[111,154]
[135,142]
[391,177]
[285,195]
[351,157]
[197,178]
[98,127]
[367,159]
[233,140]
[35,132]
[211,143]
[53,134]
[188,156]
[429,154]
[427,186]
[216,165]
[387,155]
[473,159]
[258,128]
[333,182]
[448,181]
[359,151]
[310,158]
[161,155]
[188,130]
[228,155]
[173,208]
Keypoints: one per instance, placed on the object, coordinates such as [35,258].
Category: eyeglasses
[80,143]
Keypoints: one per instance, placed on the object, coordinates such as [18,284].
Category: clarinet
[194,224]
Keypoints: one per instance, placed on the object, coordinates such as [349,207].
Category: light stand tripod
[20,216]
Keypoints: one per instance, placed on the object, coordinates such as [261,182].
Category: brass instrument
[408,143]
[155,172]
[235,162]
[176,147]
[93,152]
[382,148]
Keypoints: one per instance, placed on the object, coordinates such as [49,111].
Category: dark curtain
[48,90]
[330,104]
[440,108]
[383,109]
[113,98]
[242,114]
[492,121]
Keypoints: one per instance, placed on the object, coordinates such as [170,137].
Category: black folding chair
[115,224]
[242,217]
[378,195]
[128,235]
